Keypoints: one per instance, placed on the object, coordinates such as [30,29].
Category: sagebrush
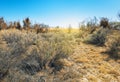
[26,53]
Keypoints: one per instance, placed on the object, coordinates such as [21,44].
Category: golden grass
[66,62]
[64,30]
[81,59]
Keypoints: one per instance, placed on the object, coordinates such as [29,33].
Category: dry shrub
[98,38]
[113,46]
[104,22]
[26,54]
[81,35]
[86,31]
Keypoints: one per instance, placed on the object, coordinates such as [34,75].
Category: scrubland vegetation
[38,53]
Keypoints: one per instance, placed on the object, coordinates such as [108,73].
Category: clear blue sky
[58,12]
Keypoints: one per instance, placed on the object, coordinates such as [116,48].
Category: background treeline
[91,23]
[26,25]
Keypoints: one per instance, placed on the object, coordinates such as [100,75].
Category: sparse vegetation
[36,53]
[98,38]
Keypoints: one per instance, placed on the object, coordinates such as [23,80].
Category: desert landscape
[59,41]
[43,54]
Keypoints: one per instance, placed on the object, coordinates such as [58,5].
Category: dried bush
[104,22]
[113,46]
[28,53]
[98,38]
[26,23]
[3,25]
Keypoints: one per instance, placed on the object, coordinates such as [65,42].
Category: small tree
[36,27]
[26,23]
[15,24]
[41,28]
[18,26]
[118,15]
[3,24]
[1,20]
[92,25]
[92,22]
[104,22]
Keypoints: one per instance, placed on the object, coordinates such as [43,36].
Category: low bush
[30,53]
[98,38]
[113,46]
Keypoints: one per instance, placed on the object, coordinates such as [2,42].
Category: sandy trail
[88,64]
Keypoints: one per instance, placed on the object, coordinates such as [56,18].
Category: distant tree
[36,27]
[3,25]
[118,15]
[104,22]
[18,26]
[116,24]
[92,25]
[15,24]
[44,28]
[41,28]
[1,20]
[92,22]
[10,25]
[26,23]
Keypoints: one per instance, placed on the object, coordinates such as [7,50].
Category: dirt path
[88,64]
